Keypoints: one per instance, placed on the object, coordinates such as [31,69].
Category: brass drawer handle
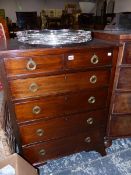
[94,59]
[42,152]
[40,132]
[93,79]
[90,121]
[36,110]
[33,87]
[91,100]
[31,65]
[87,139]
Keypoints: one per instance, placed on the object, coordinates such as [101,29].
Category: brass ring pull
[94,59]
[42,152]
[91,100]
[33,87]
[31,65]
[40,132]
[87,139]
[36,110]
[90,121]
[93,79]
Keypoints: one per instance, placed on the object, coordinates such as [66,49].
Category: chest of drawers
[119,124]
[58,98]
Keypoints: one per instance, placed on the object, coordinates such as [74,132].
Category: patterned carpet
[117,162]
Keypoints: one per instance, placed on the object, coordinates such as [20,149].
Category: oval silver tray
[54,37]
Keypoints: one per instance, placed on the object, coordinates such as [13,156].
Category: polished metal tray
[54,37]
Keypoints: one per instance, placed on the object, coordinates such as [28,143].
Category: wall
[122,6]
[11,6]
[100,5]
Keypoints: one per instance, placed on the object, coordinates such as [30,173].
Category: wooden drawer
[124,81]
[120,126]
[61,147]
[92,58]
[43,86]
[34,64]
[122,103]
[61,127]
[51,107]
[127,54]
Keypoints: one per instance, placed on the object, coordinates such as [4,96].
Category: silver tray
[54,37]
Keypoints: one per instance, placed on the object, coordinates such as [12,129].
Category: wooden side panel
[120,126]
[124,81]
[127,54]
[118,61]
[122,103]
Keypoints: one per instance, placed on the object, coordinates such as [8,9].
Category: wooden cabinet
[119,124]
[58,98]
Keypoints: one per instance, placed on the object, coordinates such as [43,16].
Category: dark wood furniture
[53,22]
[57,99]
[119,124]
[27,20]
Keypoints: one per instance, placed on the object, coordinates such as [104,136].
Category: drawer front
[36,64]
[122,103]
[61,147]
[124,81]
[50,107]
[127,54]
[61,127]
[120,126]
[90,58]
[42,86]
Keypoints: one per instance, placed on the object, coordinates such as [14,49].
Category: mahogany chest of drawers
[57,99]
[119,124]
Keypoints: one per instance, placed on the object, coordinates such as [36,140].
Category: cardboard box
[21,166]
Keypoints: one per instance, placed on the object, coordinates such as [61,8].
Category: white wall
[122,6]
[11,6]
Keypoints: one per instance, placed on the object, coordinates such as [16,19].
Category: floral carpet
[117,162]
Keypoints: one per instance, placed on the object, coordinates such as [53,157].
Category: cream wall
[11,6]
[122,6]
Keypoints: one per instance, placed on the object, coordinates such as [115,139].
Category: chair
[3,22]
[5,146]
[3,43]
